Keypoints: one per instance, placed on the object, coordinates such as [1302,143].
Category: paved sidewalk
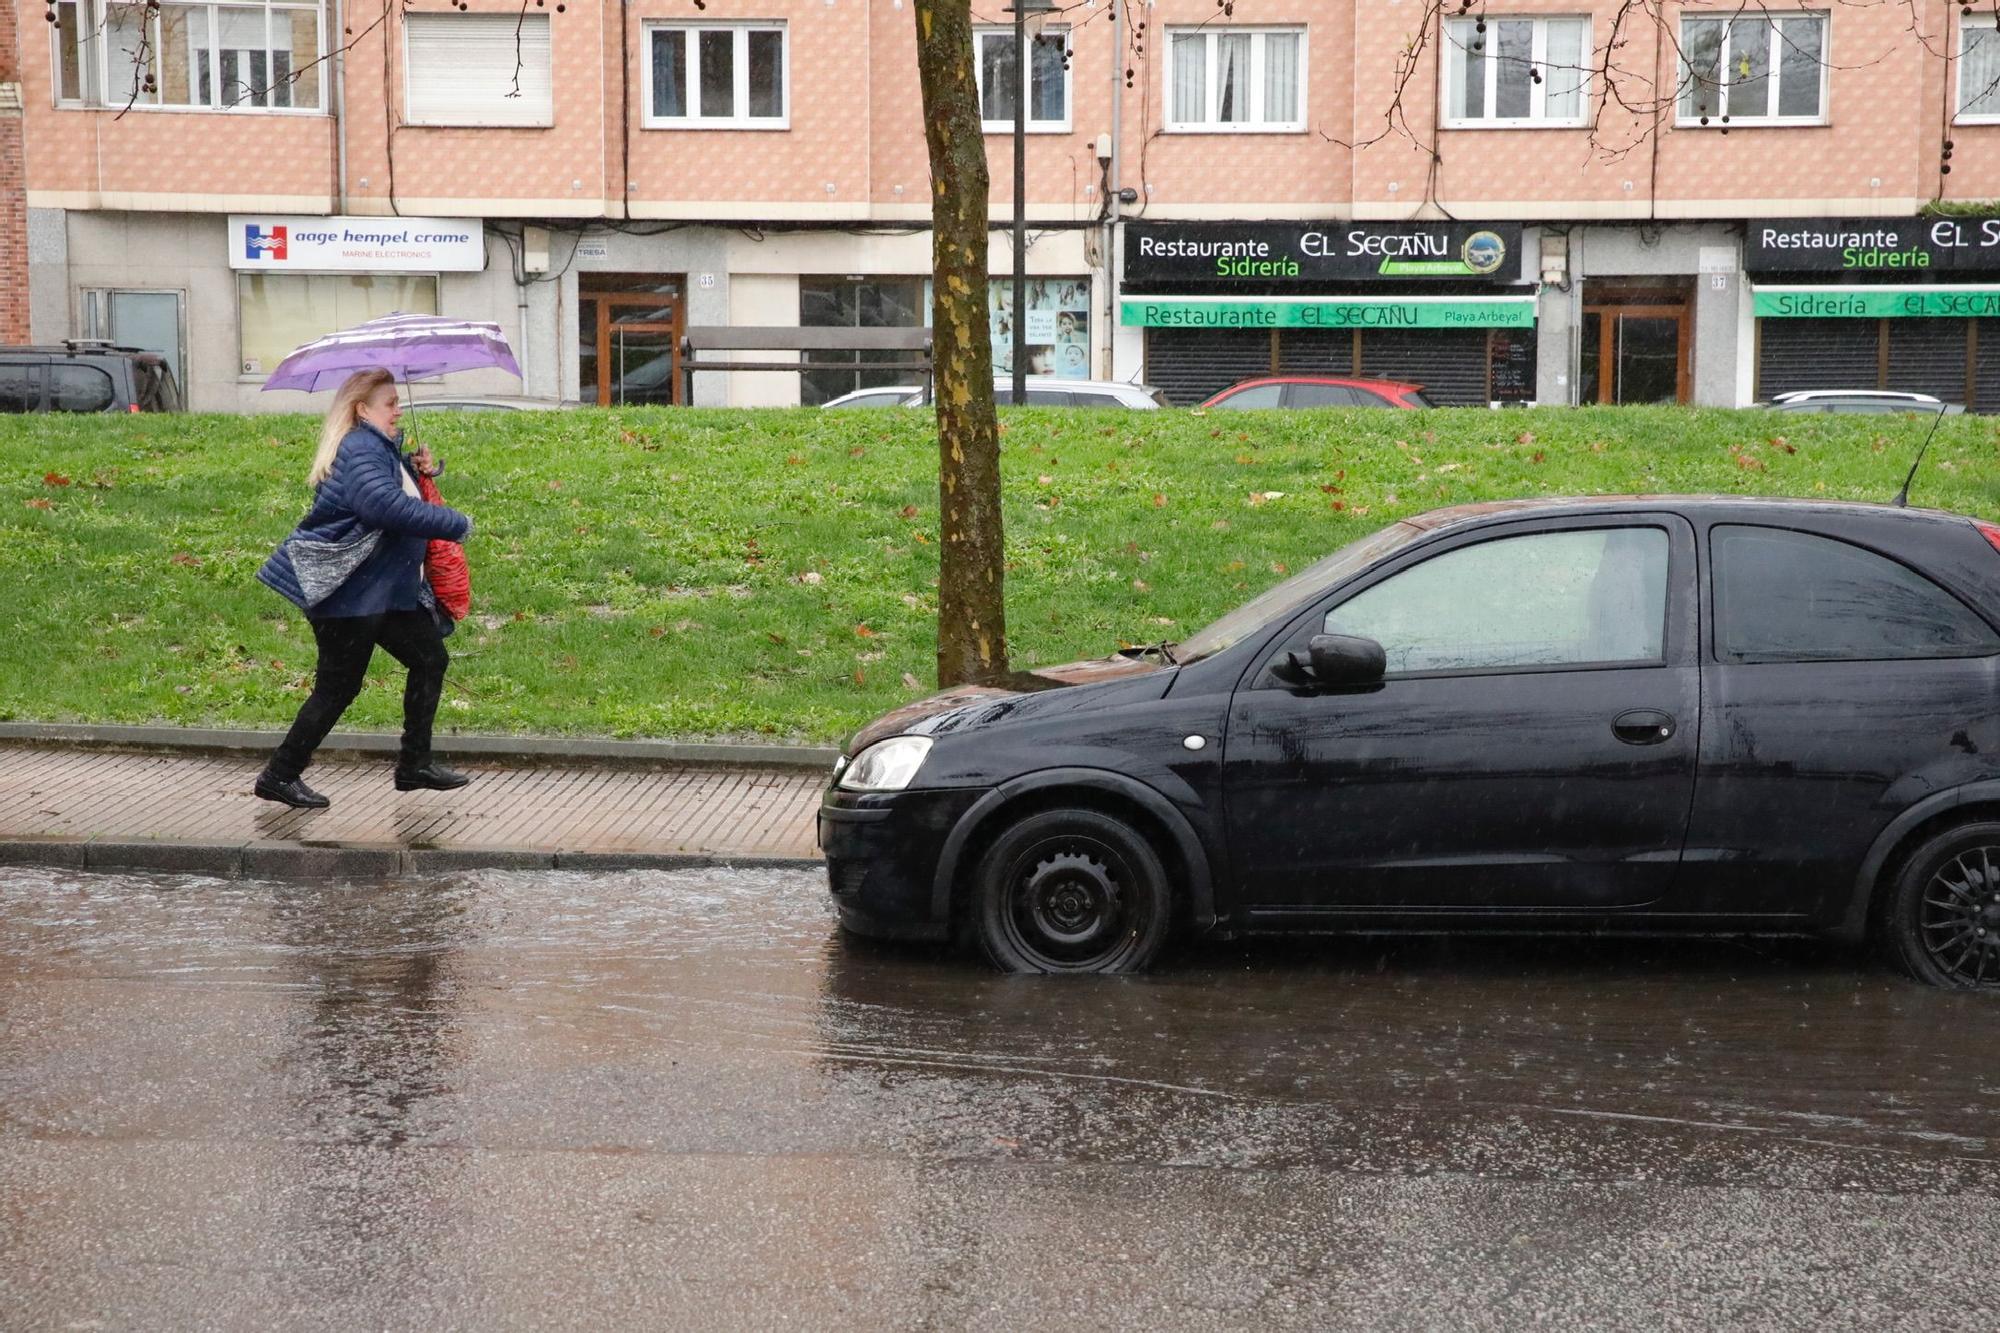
[195,812]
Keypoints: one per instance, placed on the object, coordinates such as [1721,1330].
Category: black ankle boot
[294,793]
[431,777]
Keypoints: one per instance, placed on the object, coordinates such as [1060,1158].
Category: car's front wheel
[1942,918]
[1071,891]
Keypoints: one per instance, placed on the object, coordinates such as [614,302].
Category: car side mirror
[1335,662]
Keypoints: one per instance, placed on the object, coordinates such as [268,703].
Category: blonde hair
[343,416]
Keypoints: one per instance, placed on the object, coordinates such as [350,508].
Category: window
[1236,79]
[1978,72]
[1260,396]
[224,55]
[136,318]
[1330,395]
[1756,70]
[869,303]
[477,69]
[1515,72]
[278,311]
[1792,597]
[1552,599]
[731,77]
[80,389]
[1000,80]
[20,387]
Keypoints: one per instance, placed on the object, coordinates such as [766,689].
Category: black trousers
[346,643]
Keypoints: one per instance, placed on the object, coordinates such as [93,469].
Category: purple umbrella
[410,347]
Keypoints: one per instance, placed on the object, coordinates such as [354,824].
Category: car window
[1091,398]
[1417,399]
[1369,398]
[1322,395]
[1258,395]
[1044,398]
[20,387]
[74,388]
[1793,597]
[884,399]
[157,390]
[1296,592]
[1547,599]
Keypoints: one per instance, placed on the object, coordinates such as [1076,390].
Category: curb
[262,859]
[523,749]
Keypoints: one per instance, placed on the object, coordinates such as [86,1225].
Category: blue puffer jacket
[364,491]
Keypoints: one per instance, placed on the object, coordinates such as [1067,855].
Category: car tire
[1941,919]
[1071,891]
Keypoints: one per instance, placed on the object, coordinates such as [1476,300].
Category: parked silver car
[1043,391]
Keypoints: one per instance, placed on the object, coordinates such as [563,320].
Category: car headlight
[886,765]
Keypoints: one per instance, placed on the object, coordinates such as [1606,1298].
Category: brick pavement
[196,811]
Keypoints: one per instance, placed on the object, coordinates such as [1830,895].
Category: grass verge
[651,572]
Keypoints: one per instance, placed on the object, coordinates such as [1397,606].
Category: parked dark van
[84,376]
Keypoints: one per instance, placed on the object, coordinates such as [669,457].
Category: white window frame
[1537,119]
[980,36]
[1966,29]
[475,118]
[694,120]
[1684,120]
[116,95]
[1211,86]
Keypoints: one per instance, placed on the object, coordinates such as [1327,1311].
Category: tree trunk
[972,558]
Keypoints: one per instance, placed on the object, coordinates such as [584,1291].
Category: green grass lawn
[771,573]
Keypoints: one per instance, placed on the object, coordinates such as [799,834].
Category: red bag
[444,564]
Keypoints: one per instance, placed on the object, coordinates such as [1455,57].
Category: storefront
[1908,304]
[1441,304]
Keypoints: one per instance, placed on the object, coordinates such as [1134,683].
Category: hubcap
[1959,919]
[1067,909]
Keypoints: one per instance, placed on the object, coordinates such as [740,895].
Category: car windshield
[1418,397]
[1299,588]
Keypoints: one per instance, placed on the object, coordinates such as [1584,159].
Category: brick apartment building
[223,179]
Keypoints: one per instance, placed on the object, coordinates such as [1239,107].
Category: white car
[1861,400]
[1043,391]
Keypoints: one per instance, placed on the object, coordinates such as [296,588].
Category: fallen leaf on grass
[1159,499]
[863,632]
[907,511]
[860,676]
[38,504]
[775,637]
[54,479]
[811,578]
[1538,457]
[795,460]
[1140,585]
[910,682]
[1747,463]
[1781,444]
[658,631]
[186,561]
[1525,437]
[856,452]
[1337,505]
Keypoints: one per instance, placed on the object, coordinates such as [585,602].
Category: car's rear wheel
[1942,918]
[1071,891]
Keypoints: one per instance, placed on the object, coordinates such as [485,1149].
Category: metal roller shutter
[1798,354]
[1449,363]
[1316,352]
[1188,365]
[1928,356]
[478,69]
[1985,367]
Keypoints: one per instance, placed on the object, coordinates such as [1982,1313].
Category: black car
[1640,715]
[86,376]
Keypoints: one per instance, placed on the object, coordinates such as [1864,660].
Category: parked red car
[1320,391]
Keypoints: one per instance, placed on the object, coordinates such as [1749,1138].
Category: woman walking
[355,566]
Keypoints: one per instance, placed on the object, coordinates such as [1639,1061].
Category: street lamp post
[1029,17]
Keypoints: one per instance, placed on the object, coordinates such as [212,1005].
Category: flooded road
[680,1100]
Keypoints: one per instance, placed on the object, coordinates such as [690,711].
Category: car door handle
[1643,726]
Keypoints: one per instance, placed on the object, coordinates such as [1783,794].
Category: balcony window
[1503,73]
[1978,73]
[1236,80]
[1762,70]
[477,69]
[1002,82]
[717,77]
[225,55]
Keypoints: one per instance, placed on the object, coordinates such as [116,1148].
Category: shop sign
[1173,256]
[356,245]
[1473,312]
[1872,245]
[1877,302]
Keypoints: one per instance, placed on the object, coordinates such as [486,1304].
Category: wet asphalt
[681,1100]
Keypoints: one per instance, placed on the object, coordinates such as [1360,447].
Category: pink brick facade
[13,186]
[850,166]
